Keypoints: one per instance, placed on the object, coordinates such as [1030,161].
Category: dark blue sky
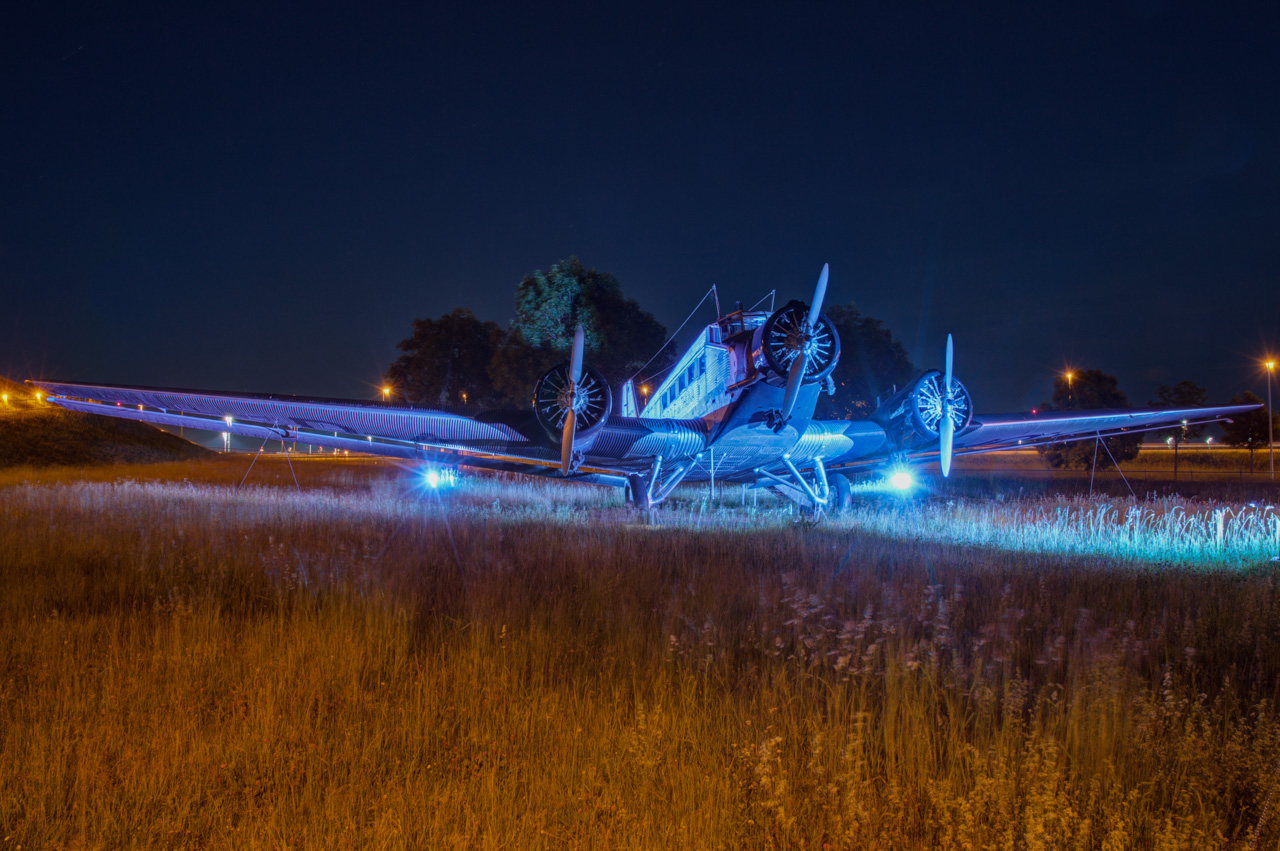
[262,196]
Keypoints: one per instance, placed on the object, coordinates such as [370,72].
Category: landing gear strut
[814,497]
[645,490]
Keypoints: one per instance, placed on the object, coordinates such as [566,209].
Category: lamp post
[1271,438]
[386,394]
[1070,397]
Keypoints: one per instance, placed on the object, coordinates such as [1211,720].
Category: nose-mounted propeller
[803,341]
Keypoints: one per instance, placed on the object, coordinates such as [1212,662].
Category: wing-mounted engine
[572,404]
[913,417]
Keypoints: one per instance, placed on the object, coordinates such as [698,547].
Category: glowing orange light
[1271,364]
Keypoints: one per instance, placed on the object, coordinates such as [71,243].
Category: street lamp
[1070,399]
[386,393]
[1271,438]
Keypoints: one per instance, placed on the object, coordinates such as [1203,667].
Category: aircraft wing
[996,432]
[1004,431]
[378,428]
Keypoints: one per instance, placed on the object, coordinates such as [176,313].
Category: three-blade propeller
[795,375]
[573,399]
[947,429]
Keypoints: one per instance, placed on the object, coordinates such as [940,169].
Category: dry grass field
[362,664]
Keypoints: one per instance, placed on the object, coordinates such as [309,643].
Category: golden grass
[357,665]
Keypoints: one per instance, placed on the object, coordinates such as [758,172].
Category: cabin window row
[692,372]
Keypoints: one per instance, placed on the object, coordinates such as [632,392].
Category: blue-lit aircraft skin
[738,407]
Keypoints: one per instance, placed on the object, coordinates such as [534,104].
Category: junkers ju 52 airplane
[737,407]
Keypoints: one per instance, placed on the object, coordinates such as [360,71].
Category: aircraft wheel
[637,491]
[841,499]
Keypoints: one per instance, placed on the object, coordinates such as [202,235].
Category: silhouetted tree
[1184,394]
[1090,389]
[1248,430]
[620,335]
[446,361]
[871,364]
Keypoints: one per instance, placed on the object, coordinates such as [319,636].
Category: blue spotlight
[901,480]
[436,478]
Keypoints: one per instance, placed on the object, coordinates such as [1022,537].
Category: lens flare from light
[901,480]
[438,478]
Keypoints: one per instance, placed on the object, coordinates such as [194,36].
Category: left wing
[996,432]
[1003,431]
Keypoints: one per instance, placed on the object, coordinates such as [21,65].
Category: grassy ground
[36,434]
[359,664]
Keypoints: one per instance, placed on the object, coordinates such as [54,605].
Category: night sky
[262,196]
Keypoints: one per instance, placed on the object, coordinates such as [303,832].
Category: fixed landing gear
[645,490]
[815,495]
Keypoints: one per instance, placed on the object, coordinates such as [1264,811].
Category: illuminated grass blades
[1163,531]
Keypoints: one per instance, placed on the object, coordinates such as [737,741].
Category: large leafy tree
[872,363]
[445,361]
[1184,394]
[1088,389]
[620,336]
[1248,430]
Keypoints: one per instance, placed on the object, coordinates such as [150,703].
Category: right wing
[507,441]
[395,430]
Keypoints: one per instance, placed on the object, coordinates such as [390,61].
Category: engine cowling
[592,404]
[781,339]
[914,415]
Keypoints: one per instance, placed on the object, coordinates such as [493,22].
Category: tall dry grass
[360,665]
